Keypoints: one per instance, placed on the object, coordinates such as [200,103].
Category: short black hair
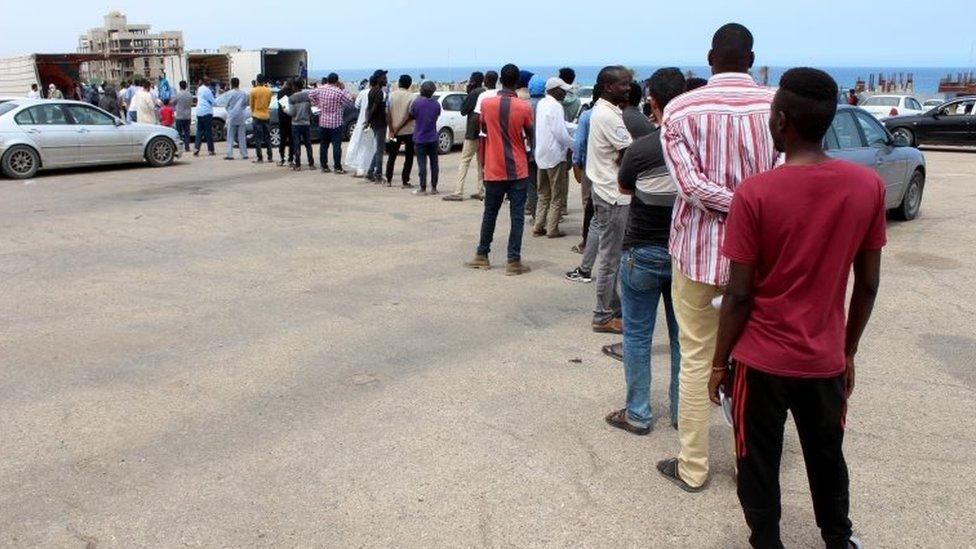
[732,46]
[333,78]
[428,88]
[491,78]
[166,102]
[405,81]
[509,75]
[261,79]
[808,98]
[666,84]
[182,84]
[324,81]
[477,78]
[567,75]
[610,74]
[635,95]
[298,84]
[694,83]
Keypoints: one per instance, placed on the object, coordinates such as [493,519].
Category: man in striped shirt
[714,138]
[331,100]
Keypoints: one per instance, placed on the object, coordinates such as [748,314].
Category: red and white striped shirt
[714,138]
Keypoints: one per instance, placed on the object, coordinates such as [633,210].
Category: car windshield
[6,107]
[881,102]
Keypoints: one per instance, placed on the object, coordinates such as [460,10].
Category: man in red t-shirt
[792,235]
[506,120]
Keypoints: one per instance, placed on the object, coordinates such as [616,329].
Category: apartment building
[129,50]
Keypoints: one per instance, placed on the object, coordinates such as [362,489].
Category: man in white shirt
[605,146]
[143,104]
[33,93]
[553,138]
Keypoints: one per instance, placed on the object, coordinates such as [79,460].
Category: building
[129,50]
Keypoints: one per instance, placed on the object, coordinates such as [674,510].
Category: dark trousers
[284,135]
[532,192]
[183,128]
[587,217]
[427,152]
[407,142]
[819,408]
[376,166]
[262,136]
[333,137]
[302,134]
[204,131]
[495,192]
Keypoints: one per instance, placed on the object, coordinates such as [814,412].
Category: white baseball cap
[556,82]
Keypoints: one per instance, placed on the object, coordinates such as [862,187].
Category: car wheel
[219,130]
[21,162]
[160,151]
[911,202]
[906,134]
[445,140]
[275,133]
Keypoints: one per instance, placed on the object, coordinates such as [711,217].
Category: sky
[436,33]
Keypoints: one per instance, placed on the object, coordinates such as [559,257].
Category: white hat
[556,82]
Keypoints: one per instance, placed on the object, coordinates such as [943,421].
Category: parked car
[932,103]
[951,123]
[40,134]
[451,125]
[856,136]
[884,106]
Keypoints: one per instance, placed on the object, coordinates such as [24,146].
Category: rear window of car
[6,107]
[881,102]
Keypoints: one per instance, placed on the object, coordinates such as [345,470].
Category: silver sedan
[46,134]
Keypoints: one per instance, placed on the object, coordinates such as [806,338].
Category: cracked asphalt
[219,354]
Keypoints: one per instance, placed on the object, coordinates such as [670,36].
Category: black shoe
[196,152]
[325,169]
[669,470]
[579,275]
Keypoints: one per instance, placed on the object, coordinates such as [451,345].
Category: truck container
[276,64]
[61,69]
[194,66]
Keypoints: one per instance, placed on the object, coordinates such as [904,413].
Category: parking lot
[224,354]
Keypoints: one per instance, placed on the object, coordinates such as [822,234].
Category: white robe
[362,144]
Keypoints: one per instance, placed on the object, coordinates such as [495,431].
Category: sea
[926,78]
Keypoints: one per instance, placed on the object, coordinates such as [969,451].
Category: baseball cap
[556,82]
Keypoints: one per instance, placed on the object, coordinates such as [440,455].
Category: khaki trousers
[469,153]
[698,329]
[551,200]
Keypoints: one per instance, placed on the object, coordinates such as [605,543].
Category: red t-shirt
[166,115]
[505,119]
[801,227]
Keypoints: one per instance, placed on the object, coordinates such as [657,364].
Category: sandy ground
[222,354]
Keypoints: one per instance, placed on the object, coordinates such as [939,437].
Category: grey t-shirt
[636,122]
[184,102]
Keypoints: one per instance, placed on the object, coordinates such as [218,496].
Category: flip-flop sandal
[615,351]
[669,470]
[618,419]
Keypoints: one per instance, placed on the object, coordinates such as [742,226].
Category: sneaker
[513,268]
[406,186]
[478,196]
[281,163]
[539,232]
[196,152]
[325,169]
[612,326]
[420,192]
[340,171]
[579,275]
[453,198]
[479,262]
[311,167]
[211,153]
[434,191]
[369,177]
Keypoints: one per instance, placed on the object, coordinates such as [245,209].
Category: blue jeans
[376,166]
[645,276]
[425,152]
[262,137]
[330,136]
[204,131]
[495,192]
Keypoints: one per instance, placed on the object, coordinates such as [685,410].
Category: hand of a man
[849,377]
[718,378]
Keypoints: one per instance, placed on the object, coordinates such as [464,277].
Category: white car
[451,124]
[933,103]
[886,106]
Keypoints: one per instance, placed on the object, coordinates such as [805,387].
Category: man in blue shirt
[205,103]
[236,103]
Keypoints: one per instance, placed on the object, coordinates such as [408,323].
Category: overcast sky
[436,33]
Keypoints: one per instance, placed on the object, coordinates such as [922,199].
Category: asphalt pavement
[220,354]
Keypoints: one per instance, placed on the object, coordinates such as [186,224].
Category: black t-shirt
[377,108]
[649,221]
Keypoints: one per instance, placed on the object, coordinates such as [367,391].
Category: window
[876,135]
[6,107]
[830,139]
[453,102]
[845,131]
[89,116]
[880,101]
[911,103]
[43,115]
[960,108]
